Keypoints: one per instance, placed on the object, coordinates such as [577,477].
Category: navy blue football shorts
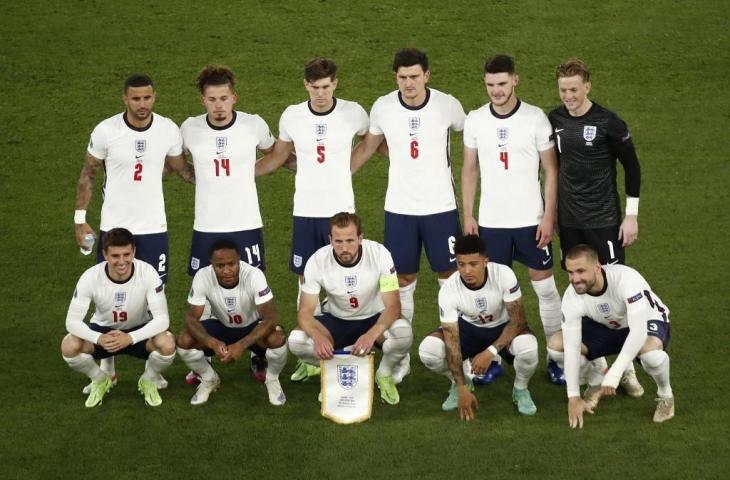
[229,335]
[138,350]
[250,246]
[601,340]
[309,234]
[404,235]
[346,332]
[507,244]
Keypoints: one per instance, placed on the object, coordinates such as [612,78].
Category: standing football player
[134,147]
[589,139]
[610,309]
[321,131]
[223,143]
[420,203]
[130,317]
[508,140]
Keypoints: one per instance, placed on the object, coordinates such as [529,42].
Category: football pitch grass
[663,66]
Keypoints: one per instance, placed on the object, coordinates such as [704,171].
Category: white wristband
[80,217]
[632,205]
[493,350]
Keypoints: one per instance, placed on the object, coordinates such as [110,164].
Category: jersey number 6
[414,149]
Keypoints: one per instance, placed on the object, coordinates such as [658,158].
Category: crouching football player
[606,310]
[130,317]
[481,316]
[244,317]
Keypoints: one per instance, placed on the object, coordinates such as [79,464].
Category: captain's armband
[389,283]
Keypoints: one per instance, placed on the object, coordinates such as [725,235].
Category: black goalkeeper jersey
[588,147]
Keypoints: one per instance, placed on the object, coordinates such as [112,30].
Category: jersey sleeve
[619,139]
[457,114]
[157,304]
[198,291]
[448,311]
[176,144]
[388,276]
[362,122]
[261,290]
[98,143]
[572,336]
[77,310]
[543,132]
[509,285]
[375,126]
[470,138]
[266,139]
[312,277]
[283,126]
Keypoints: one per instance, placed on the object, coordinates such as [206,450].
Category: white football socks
[276,360]
[302,347]
[656,364]
[156,364]
[398,340]
[84,363]
[525,352]
[549,305]
[406,301]
[196,361]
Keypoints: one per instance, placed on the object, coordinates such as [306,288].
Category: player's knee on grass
[555,342]
[432,352]
[164,343]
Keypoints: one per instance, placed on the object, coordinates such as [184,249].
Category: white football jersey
[121,306]
[419,178]
[353,292]
[484,306]
[133,162]
[226,199]
[626,293]
[626,302]
[508,147]
[323,143]
[233,307]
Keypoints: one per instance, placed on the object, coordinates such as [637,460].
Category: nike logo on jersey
[501,145]
[321,139]
[350,292]
[412,133]
[137,157]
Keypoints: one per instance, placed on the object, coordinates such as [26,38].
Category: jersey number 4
[504,158]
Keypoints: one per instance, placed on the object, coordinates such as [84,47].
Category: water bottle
[88,244]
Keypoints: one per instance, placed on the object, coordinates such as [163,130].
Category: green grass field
[661,65]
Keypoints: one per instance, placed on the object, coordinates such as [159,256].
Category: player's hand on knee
[219,348]
[363,345]
[323,349]
[235,352]
[480,363]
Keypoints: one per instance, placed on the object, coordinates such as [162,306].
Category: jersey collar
[321,114]
[138,129]
[474,289]
[118,282]
[359,257]
[227,125]
[506,115]
[605,285]
[418,107]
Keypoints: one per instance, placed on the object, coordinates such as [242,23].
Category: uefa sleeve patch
[160,288]
[515,288]
[265,291]
[388,284]
[635,298]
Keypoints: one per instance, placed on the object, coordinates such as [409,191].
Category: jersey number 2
[138,172]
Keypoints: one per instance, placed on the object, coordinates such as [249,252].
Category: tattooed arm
[467,400]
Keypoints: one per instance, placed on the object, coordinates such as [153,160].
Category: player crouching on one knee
[607,310]
[363,304]
[482,315]
[244,317]
[130,317]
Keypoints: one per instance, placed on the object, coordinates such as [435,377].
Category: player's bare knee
[406,279]
[185,340]
[537,275]
[164,343]
[556,342]
[276,339]
[651,343]
[71,346]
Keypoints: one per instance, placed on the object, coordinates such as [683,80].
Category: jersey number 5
[320,153]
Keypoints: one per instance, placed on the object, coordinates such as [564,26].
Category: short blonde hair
[571,68]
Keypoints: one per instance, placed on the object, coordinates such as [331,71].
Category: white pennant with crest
[347,388]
